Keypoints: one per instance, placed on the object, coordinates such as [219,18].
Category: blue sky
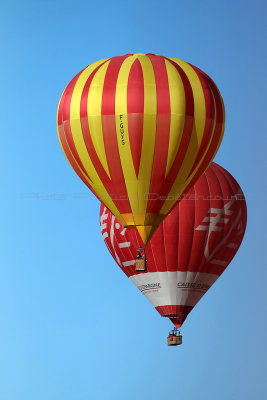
[72,326]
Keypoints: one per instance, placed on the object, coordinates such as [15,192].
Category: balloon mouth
[176,322]
[145,223]
[145,232]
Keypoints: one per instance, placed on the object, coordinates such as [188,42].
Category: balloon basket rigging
[174,338]
[140,262]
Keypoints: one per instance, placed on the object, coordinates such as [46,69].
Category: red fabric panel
[218,126]
[117,190]
[86,132]
[135,109]
[210,115]
[186,136]
[177,314]
[66,120]
[162,130]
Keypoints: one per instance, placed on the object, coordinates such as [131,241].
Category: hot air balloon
[189,250]
[137,129]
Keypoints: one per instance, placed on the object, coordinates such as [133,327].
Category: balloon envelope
[189,250]
[137,129]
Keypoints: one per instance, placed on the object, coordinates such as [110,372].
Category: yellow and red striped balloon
[139,130]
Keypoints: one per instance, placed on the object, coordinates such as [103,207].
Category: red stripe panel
[135,109]
[215,200]
[218,127]
[156,252]
[171,238]
[177,314]
[71,161]
[201,204]
[186,232]
[231,228]
[109,88]
[86,132]
[117,189]
[163,129]
[88,140]
[210,115]
[66,148]
[66,121]
[186,136]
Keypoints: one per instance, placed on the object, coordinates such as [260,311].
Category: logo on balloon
[215,221]
[103,225]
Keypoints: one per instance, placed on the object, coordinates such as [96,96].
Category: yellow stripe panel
[199,121]
[94,110]
[223,125]
[180,184]
[176,190]
[122,132]
[214,154]
[220,140]
[177,101]
[74,160]
[79,141]
[149,136]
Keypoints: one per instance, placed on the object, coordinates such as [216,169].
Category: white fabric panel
[173,287]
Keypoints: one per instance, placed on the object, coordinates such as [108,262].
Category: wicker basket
[140,264]
[174,340]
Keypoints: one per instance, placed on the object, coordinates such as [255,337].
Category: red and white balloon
[189,250]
